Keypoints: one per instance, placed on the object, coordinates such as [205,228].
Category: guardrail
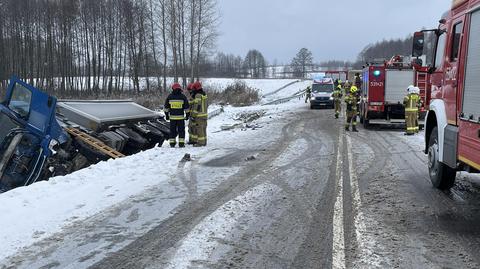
[286,99]
[216,112]
[282,88]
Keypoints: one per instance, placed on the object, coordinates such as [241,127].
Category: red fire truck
[384,88]
[452,127]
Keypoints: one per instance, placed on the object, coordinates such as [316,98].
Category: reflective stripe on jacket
[177,105]
[200,110]
[412,102]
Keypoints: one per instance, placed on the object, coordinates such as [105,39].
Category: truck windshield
[322,88]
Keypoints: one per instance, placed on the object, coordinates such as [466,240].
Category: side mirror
[418,44]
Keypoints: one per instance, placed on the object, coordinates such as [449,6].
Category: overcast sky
[336,29]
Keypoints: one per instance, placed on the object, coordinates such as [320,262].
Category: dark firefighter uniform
[192,136]
[412,104]
[352,100]
[177,110]
[337,100]
[308,94]
[200,114]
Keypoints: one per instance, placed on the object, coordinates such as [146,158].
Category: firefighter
[308,94]
[358,81]
[192,136]
[177,111]
[352,101]
[200,114]
[412,104]
[337,99]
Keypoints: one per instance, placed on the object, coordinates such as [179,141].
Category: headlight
[52,146]
[331,98]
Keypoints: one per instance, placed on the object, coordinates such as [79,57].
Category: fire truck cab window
[457,30]
[439,55]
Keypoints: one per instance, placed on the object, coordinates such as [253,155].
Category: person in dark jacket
[177,111]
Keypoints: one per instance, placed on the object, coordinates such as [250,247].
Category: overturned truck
[41,137]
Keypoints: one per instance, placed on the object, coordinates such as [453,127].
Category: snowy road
[298,193]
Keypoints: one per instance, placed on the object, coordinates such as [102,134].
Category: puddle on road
[231,159]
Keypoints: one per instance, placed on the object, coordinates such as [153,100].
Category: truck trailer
[384,88]
[452,125]
[41,137]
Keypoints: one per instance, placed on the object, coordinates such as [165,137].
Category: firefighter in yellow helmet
[200,114]
[412,104]
[352,110]
[192,137]
[337,100]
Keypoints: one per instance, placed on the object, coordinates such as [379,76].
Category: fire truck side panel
[373,92]
[397,82]
[469,109]
[376,85]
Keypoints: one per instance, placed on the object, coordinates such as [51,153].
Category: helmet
[197,85]
[411,89]
[353,89]
[190,87]
[339,87]
[176,86]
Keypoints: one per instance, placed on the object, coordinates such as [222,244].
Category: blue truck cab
[29,134]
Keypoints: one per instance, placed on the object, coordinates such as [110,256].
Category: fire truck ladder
[422,82]
[95,143]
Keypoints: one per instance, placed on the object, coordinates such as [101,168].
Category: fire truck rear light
[376,103]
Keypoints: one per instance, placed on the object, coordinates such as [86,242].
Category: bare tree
[301,62]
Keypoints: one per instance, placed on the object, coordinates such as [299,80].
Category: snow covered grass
[33,213]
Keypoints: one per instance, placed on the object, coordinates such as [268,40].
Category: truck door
[450,86]
[469,104]
[32,106]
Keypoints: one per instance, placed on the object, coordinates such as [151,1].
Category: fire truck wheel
[441,175]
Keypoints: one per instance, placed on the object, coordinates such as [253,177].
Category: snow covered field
[33,213]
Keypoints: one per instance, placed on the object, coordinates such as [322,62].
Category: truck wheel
[441,175]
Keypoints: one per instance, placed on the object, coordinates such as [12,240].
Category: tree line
[105,45]
[384,49]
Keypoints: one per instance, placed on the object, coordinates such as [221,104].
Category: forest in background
[105,45]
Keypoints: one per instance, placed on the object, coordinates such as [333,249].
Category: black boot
[172,145]
[182,145]
[347,128]
[355,129]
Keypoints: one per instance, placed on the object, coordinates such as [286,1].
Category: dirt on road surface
[313,196]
